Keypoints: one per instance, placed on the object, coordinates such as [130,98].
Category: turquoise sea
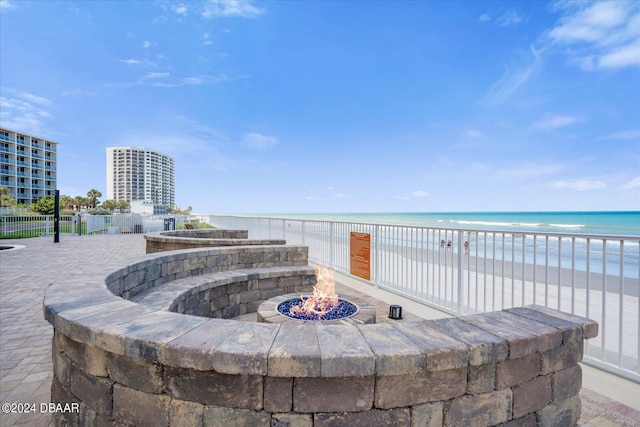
[625,223]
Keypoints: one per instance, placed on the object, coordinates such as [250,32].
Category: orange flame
[324,297]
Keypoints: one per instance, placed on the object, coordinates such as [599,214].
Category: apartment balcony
[6,161]
[6,137]
[37,156]
[7,149]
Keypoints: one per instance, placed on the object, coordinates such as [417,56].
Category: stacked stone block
[137,363]
[162,241]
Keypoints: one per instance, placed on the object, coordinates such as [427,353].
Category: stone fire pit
[268,312]
[152,343]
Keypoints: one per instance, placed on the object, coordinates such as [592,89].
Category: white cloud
[415,195]
[183,138]
[259,141]
[599,35]
[35,99]
[473,133]
[634,183]
[147,44]
[556,121]
[207,39]
[180,9]
[579,185]
[625,134]
[78,92]
[228,8]
[144,62]
[622,56]
[156,75]
[153,80]
[509,19]
[512,78]
[6,5]
[484,17]
[527,171]
[192,81]
[327,195]
[25,112]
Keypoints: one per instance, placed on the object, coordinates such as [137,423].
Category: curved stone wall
[161,241]
[124,350]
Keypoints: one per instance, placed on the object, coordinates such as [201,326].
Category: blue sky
[338,106]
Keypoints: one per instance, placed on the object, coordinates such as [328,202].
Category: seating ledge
[163,296]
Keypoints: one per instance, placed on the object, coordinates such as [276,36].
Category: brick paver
[25,337]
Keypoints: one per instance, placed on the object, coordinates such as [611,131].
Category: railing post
[303,239]
[331,244]
[460,247]
[376,253]
[56,217]
[46,225]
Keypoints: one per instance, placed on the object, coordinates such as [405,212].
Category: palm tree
[109,204]
[80,202]
[67,202]
[93,195]
[123,205]
[7,200]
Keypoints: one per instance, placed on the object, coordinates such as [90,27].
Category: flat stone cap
[84,309]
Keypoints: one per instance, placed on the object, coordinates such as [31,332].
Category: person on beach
[442,244]
[449,246]
[466,248]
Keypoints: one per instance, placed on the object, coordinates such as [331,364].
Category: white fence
[19,226]
[482,270]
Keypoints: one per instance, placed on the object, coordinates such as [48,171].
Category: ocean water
[589,223]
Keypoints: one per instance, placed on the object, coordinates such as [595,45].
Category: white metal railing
[594,276]
[21,225]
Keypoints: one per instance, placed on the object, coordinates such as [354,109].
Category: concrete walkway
[25,337]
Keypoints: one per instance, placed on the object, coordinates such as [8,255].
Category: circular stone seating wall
[123,353]
[161,241]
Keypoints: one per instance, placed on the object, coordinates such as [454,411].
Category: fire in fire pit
[323,304]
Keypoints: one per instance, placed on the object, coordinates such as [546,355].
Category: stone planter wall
[161,241]
[124,351]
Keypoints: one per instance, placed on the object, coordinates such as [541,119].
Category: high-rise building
[27,166]
[140,175]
